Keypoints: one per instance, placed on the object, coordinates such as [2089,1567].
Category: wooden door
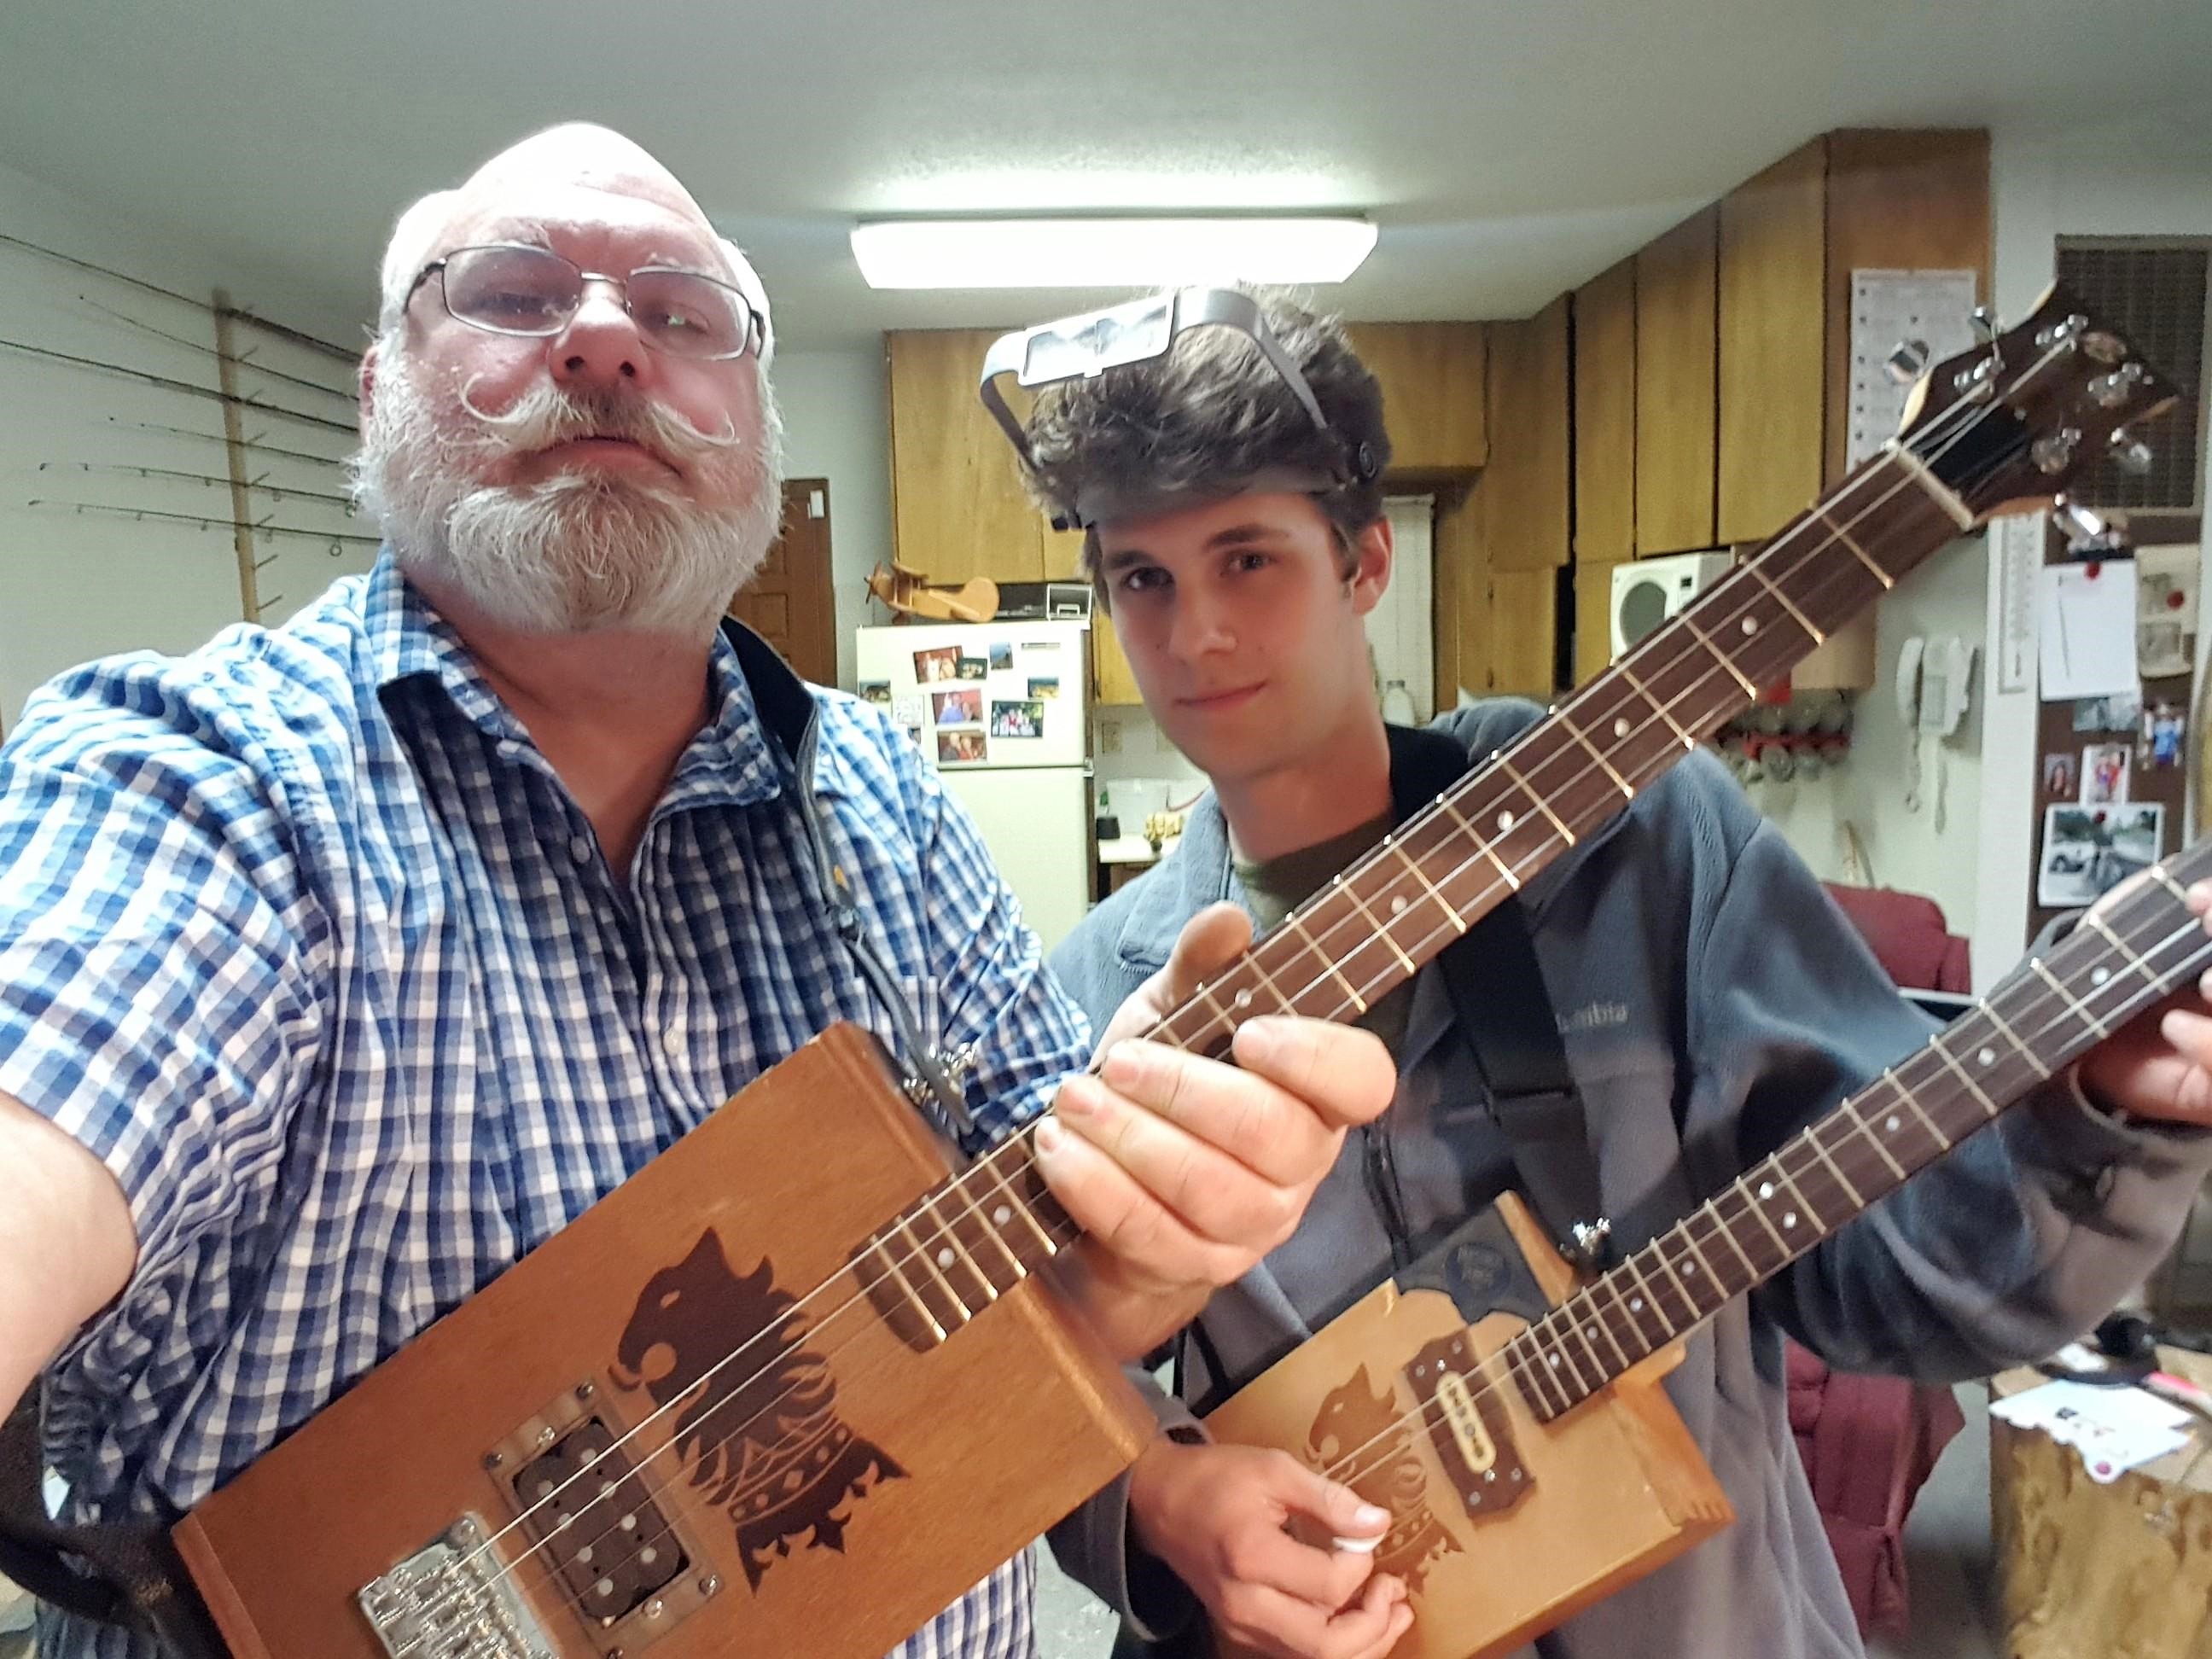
[1431,375]
[788,602]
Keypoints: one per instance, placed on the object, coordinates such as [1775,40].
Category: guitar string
[1966,417]
[1344,1469]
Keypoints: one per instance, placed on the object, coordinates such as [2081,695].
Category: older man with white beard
[343,962]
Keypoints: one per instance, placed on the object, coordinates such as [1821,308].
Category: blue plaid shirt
[302,935]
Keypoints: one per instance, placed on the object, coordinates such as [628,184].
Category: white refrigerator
[1000,710]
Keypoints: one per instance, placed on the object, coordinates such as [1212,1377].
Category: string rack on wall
[123,327]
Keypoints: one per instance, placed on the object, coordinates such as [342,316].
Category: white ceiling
[1508,148]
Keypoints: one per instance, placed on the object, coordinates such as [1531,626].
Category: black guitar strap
[1503,1011]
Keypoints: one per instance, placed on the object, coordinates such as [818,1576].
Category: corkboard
[2147,781]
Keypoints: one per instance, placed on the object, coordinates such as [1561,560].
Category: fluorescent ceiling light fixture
[1111,253]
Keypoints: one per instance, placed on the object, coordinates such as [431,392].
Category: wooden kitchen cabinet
[1605,417]
[1432,377]
[1112,680]
[957,505]
[1772,403]
[1526,486]
[1677,279]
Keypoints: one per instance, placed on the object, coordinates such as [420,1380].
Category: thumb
[1209,942]
[1341,1516]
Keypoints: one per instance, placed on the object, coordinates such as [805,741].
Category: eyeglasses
[506,288]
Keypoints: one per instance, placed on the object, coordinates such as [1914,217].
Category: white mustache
[545,416]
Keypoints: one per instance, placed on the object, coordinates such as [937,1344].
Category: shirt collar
[731,761]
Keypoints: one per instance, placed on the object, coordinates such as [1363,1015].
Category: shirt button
[582,848]
[672,1040]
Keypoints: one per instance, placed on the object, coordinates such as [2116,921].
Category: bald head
[574,156]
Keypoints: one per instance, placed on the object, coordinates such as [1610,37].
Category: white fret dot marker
[1766,1189]
[1635,1304]
[1988,1056]
[944,1257]
[1590,1333]
[1002,1215]
[1621,727]
[584,1555]
[1397,905]
[605,1587]
[648,1555]
[1243,997]
[1689,1268]
[629,1523]
[1505,820]
[2098,975]
[1788,1220]
[1892,1124]
[1554,1360]
[1751,624]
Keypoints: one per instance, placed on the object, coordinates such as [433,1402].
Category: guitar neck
[1486,838]
[1475,846]
[2047,1015]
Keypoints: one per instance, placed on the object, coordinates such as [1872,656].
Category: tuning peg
[2130,454]
[2112,389]
[2084,531]
[2054,453]
[1983,321]
[1905,363]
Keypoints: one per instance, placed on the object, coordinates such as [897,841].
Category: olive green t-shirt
[1277,886]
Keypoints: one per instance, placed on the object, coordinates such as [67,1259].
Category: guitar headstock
[2009,425]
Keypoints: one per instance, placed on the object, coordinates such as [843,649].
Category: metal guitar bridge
[451,1600]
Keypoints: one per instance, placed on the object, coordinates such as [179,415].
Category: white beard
[576,552]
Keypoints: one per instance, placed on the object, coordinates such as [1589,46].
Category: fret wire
[1381,928]
[1660,1255]
[1726,1233]
[1488,852]
[930,1264]
[1988,1106]
[1819,511]
[1758,1207]
[2035,966]
[1643,1293]
[1689,625]
[1698,1263]
[2120,944]
[1918,1111]
[2034,1059]
[2158,874]
[1542,805]
[1867,1129]
[1019,1205]
[1557,1347]
[959,1184]
[1598,1322]
[1665,713]
[1451,912]
[1787,603]
[960,1247]
[907,1285]
[1807,1210]
[990,1229]
[1297,923]
[1834,1167]
[1544,1377]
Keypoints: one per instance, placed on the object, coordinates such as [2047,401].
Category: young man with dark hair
[1710,1000]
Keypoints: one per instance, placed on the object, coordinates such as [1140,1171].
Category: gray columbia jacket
[1712,1002]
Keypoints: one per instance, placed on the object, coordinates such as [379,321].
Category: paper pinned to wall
[2166,617]
[1933,310]
[2087,617]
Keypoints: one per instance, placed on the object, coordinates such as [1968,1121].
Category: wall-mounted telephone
[1935,689]
[1935,684]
